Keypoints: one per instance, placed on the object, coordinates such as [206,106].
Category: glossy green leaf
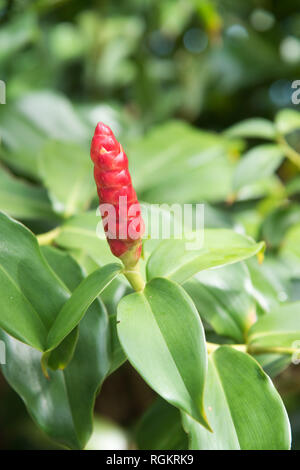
[62,405]
[280,328]
[287,120]
[293,186]
[160,428]
[290,249]
[22,142]
[27,312]
[59,122]
[166,350]
[160,159]
[242,405]
[66,171]
[85,232]
[270,282]
[174,259]
[23,200]
[76,306]
[254,127]
[223,297]
[277,223]
[118,357]
[258,163]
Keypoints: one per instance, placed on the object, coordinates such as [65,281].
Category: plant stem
[290,153]
[135,278]
[211,347]
[48,237]
[274,350]
[254,350]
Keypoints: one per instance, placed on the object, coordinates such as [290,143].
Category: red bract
[120,209]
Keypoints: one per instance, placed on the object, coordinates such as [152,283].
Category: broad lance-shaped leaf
[82,297]
[254,127]
[23,200]
[31,293]
[243,407]
[160,428]
[287,120]
[85,232]
[162,336]
[278,329]
[257,164]
[62,406]
[224,299]
[66,173]
[176,260]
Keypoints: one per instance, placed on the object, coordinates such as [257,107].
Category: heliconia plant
[72,312]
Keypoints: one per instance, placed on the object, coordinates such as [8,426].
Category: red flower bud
[120,210]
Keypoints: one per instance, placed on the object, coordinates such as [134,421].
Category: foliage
[215,325]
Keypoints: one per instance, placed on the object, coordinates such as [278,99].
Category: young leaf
[278,329]
[62,405]
[277,223]
[242,405]
[162,157]
[66,172]
[23,200]
[254,127]
[31,294]
[160,428]
[287,120]
[258,163]
[224,299]
[174,260]
[59,122]
[76,306]
[85,232]
[162,336]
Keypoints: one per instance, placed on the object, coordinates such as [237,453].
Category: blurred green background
[137,64]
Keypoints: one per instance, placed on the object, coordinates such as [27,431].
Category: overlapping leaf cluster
[197,335]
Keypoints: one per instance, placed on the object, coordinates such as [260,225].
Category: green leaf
[242,405]
[66,171]
[59,122]
[161,158]
[257,164]
[118,356]
[160,428]
[290,249]
[60,357]
[280,328]
[270,281]
[74,309]
[254,127]
[277,223]
[62,406]
[223,297]
[293,186]
[31,294]
[168,352]
[174,260]
[22,141]
[287,120]
[23,200]
[85,232]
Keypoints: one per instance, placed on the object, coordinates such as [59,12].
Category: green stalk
[48,237]
[135,278]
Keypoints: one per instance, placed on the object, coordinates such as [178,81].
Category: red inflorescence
[115,188]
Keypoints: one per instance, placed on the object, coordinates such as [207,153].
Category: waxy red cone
[123,232]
